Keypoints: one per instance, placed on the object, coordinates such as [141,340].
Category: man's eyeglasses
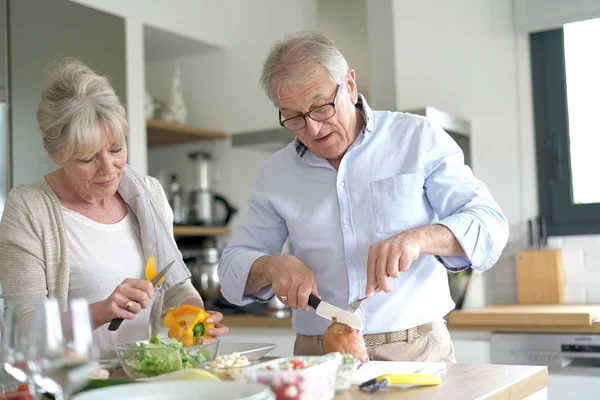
[319,114]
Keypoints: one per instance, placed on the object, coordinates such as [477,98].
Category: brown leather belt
[375,339]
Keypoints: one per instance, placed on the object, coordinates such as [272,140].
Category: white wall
[202,20]
[345,20]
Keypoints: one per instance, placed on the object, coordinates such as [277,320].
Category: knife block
[540,276]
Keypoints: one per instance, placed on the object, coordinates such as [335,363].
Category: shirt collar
[367,113]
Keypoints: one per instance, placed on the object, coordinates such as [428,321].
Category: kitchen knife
[329,311]
[530,233]
[543,232]
[116,323]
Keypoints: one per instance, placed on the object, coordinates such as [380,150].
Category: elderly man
[373,203]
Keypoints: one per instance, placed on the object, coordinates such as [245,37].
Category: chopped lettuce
[157,358]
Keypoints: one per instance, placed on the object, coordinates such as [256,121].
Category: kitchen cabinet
[161,133]
[471,351]
[562,387]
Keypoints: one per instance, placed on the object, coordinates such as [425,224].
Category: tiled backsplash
[582,267]
[581,264]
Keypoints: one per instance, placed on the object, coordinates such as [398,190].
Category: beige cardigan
[34,259]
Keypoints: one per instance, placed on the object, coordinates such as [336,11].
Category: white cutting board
[373,369]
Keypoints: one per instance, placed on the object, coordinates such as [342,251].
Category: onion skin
[341,338]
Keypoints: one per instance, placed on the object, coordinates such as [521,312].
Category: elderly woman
[88,228]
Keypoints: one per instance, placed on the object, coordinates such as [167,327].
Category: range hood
[271,140]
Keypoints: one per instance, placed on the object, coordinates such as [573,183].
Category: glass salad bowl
[148,358]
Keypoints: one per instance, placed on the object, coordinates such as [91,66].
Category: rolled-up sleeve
[263,232]
[464,205]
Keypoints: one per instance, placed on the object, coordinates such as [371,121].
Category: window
[566,93]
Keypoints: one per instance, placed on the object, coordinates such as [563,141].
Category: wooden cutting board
[532,315]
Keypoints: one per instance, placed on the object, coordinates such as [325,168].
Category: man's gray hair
[76,108]
[296,59]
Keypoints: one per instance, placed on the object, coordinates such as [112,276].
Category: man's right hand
[290,277]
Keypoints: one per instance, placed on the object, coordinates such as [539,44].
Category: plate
[175,390]
[252,351]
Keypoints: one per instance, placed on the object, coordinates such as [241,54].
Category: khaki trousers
[435,346]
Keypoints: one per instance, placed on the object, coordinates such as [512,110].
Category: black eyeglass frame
[308,114]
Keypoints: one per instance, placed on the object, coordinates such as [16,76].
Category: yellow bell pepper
[188,324]
[151,270]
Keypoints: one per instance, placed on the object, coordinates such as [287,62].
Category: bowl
[229,366]
[311,377]
[147,358]
[227,373]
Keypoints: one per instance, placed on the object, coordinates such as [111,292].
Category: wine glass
[15,341]
[60,348]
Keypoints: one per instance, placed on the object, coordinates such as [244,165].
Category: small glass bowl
[227,373]
[345,373]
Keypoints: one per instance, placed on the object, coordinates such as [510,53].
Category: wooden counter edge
[523,388]
[595,328]
[256,321]
[261,321]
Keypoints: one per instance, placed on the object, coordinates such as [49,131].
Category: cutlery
[115,323]
[329,311]
[355,305]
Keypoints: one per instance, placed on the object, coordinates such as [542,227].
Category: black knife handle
[115,324]
[313,301]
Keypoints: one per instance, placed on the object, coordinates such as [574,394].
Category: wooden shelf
[160,133]
[184,230]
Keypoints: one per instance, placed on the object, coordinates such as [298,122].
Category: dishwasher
[573,360]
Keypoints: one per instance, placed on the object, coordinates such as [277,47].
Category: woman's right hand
[127,300]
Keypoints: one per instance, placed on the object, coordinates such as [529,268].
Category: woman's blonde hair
[76,108]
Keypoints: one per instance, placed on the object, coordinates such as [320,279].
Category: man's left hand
[387,259]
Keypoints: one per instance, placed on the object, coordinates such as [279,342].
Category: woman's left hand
[219,329]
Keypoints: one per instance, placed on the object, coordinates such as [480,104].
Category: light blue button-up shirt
[401,172]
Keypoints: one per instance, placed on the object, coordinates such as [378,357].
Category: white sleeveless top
[102,256]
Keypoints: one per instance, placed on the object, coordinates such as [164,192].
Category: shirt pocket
[399,202]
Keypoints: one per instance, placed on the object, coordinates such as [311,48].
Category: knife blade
[329,311]
[116,323]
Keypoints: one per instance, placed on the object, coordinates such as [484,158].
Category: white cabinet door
[561,387]
[472,351]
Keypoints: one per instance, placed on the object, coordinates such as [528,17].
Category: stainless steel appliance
[205,277]
[275,308]
[202,200]
[561,352]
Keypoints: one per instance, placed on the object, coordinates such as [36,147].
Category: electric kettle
[202,201]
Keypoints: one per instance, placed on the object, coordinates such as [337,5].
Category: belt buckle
[425,328]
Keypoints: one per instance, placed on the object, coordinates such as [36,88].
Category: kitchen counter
[499,318]
[256,321]
[470,382]
[514,318]
[461,382]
